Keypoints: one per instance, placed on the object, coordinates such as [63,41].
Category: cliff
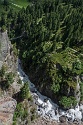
[7,60]
[4,47]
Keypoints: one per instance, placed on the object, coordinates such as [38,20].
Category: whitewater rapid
[45,107]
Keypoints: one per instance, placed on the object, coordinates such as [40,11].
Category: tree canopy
[50,43]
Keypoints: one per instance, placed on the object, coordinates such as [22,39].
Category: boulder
[62,119]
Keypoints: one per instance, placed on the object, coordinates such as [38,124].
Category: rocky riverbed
[42,121]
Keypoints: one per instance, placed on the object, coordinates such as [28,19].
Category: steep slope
[7,108]
[51,47]
[7,103]
[4,46]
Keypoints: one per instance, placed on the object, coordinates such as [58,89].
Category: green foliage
[20,112]
[6,78]
[14,123]
[19,81]
[5,2]
[51,42]
[24,111]
[47,46]
[5,5]
[9,78]
[2,71]
[77,66]
[67,102]
[25,92]
[3,28]
[55,87]
[15,50]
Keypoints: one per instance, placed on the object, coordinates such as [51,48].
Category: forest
[50,46]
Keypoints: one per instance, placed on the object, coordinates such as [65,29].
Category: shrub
[19,81]
[2,71]
[6,2]
[15,51]
[67,102]
[14,122]
[55,87]
[9,78]
[20,112]
[3,28]
[77,65]
[25,93]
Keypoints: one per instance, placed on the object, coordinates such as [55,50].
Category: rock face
[4,47]
[7,107]
[7,104]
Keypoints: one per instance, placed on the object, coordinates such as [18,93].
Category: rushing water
[45,107]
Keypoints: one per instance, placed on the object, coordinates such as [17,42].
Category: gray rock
[4,47]
[62,119]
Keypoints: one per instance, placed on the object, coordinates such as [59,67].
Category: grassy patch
[21,3]
[14,4]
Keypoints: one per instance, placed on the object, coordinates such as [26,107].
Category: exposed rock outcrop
[7,103]
[4,46]
[7,107]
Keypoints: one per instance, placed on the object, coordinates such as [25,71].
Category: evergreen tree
[25,93]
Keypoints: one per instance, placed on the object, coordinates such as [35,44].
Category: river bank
[42,121]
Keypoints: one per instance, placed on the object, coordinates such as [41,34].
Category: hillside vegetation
[16,5]
[51,46]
